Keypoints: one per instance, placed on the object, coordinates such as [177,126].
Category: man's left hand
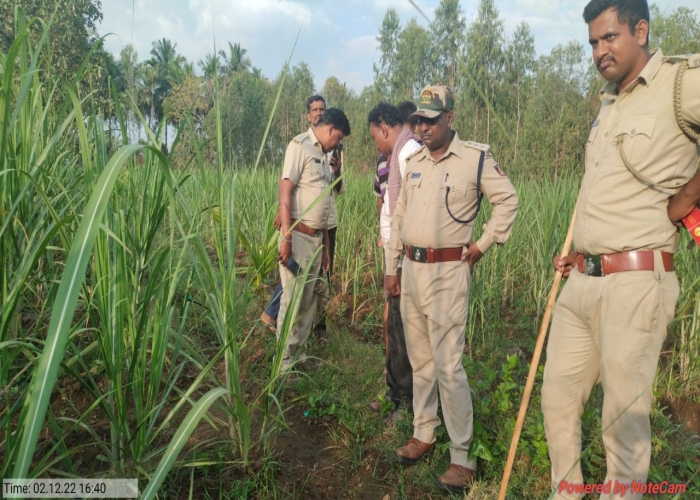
[679,205]
[473,254]
[335,165]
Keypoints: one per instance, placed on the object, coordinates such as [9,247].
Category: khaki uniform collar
[314,139]
[646,75]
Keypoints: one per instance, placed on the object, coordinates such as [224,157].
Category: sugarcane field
[408,249]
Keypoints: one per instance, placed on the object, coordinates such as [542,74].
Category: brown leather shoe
[409,453]
[457,478]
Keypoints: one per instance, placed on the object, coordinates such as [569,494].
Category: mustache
[603,59]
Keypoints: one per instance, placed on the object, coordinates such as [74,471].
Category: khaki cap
[434,100]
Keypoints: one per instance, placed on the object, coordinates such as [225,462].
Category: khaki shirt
[615,211]
[421,217]
[333,215]
[306,165]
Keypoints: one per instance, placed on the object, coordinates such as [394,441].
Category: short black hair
[312,100]
[335,117]
[629,12]
[385,113]
[407,108]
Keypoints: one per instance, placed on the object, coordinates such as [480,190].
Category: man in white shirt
[396,142]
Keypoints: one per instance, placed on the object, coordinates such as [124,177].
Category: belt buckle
[419,254]
[593,265]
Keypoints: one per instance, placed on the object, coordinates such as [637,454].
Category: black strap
[479,194]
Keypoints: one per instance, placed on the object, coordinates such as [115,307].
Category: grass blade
[181,436]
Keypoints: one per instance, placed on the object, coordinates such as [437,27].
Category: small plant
[321,406]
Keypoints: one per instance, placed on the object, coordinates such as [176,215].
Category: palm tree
[128,61]
[211,66]
[147,89]
[128,66]
[188,70]
[168,64]
[235,61]
[257,73]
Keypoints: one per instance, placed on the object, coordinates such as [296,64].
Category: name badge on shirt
[415,175]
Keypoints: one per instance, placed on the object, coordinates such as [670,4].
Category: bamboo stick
[535,363]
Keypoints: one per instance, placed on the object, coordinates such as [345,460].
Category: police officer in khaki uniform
[305,176]
[315,107]
[610,320]
[433,221]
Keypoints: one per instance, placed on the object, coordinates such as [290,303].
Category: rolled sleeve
[293,162]
[501,194]
[393,250]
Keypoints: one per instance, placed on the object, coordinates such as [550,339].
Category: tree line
[534,110]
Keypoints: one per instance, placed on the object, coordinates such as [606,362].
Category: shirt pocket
[634,138]
[316,171]
[412,185]
[460,199]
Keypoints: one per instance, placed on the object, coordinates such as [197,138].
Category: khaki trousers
[606,329]
[298,300]
[434,307]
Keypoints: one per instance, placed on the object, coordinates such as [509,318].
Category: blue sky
[338,38]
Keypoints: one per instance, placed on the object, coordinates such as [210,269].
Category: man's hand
[679,205]
[473,254]
[285,250]
[325,260]
[566,264]
[335,164]
[335,167]
[380,241]
[683,202]
[392,285]
[278,220]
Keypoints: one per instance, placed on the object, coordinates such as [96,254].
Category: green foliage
[71,35]
[115,267]
[259,246]
[235,60]
[320,405]
[448,42]
[104,253]
[675,32]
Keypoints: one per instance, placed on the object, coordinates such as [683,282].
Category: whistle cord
[479,194]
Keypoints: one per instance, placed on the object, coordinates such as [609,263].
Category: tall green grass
[98,254]
[114,266]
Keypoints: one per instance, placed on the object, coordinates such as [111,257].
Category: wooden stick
[534,365]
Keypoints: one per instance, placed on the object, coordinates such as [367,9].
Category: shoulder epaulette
[477,145]
[414,153]
[693,60]
[301,138]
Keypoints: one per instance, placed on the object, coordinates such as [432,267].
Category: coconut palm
[211,66]
[168,65]
[235,61]
[147,89]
